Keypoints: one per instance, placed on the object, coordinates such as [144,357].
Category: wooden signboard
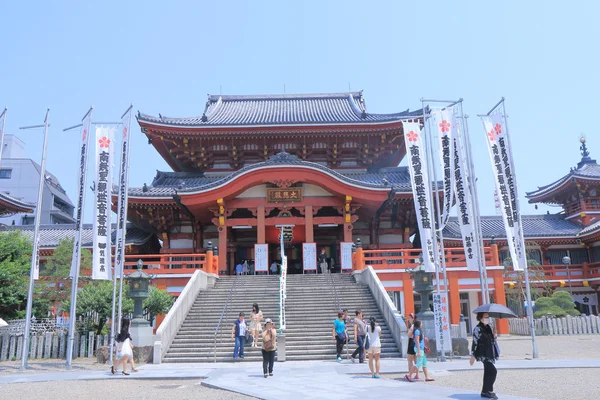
[284,195]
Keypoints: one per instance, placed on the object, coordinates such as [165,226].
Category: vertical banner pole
[34,270]
[75,263]
[476,213]
[2,126]
[525,267]
[122,204]
[436,249]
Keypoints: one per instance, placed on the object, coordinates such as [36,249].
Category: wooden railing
[167,263]
[587,205]
[409,258]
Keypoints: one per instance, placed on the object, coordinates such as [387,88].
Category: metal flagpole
[122,204]
[3,119]
[525,267]
[435,204]
[75,263]
[485,295]
[34,270]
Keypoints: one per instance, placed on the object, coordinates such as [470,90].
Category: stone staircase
[196,338]
[310,310]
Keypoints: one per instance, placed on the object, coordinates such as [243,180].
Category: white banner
[123,196]
[101,268]
[261,257]
[446,124]
[346,256]
[84,144]
[309,256]
[442,324]
[505,185]
[417,165]
[464,204]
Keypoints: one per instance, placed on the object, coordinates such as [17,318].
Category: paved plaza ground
[558,374]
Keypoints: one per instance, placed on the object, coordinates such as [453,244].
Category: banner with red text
[101,267]
[417,165]
[446,125]
[504,177]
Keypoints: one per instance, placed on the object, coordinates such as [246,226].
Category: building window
[5,173]
[596,254]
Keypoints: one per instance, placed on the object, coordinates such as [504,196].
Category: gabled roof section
[534,226]
[51,235]
[587,169]
[10,205]
[282,109]
[167,184]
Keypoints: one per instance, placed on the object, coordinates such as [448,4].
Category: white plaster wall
[182,244]
[259,191]
[314,191]
[390,239]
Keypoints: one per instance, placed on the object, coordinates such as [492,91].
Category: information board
[442,324]
[346,250]
[309,256]
[261,257]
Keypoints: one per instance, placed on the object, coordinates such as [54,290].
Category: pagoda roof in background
[167,184]
[51,235]
[587,170]
[10,205]
[534,226]
[283,109]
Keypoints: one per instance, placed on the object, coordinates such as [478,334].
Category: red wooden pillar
[308,225]
[409,298]
[260,227]
[454,298]
[500,298]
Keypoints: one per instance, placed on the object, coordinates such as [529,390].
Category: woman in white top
[374,351]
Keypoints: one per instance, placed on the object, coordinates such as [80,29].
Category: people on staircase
[273,268]
[238,332]
[239,268]
[269,345]
[359,336]
[374,344]
[256,317]
[245,268]
[339,335]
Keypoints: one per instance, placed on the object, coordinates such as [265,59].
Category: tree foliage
[159,302]
[516,295]
[15,261]
[96,297]
[559,304]
[59,265]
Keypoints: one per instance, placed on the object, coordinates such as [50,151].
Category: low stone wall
[50,345]
[581,325]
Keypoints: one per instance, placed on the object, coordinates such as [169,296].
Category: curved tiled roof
[14,205]
[167,184]
[546,225]
[51,235]
[587,169]
[283,109]
[591,229]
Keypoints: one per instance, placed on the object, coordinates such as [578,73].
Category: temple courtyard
[567,367]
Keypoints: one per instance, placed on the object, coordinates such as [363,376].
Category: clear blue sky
[166,56]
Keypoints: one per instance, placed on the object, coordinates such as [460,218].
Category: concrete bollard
[281,348]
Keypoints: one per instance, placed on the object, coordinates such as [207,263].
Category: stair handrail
[224,313]
[335,294]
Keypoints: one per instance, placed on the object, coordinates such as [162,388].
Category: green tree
[15,261]
[159,302]
[516,296]
[59,265]
[96,297]
[559,304]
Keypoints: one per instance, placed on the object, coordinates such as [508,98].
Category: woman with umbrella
[485,348]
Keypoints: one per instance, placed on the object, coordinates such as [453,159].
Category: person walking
[273,268]
[245,268]
[323,262]
[411,356]
[239,268]
[485,349]
[256,317]
[339,335]
[269,345]
[359,336]
[124,350]
[374,337]
[238,332]
[421,358]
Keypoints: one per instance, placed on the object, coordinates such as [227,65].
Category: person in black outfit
[411,355]
[485,349]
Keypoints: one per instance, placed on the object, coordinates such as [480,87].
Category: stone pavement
[308,379]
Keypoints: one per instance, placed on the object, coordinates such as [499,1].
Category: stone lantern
[140,329]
